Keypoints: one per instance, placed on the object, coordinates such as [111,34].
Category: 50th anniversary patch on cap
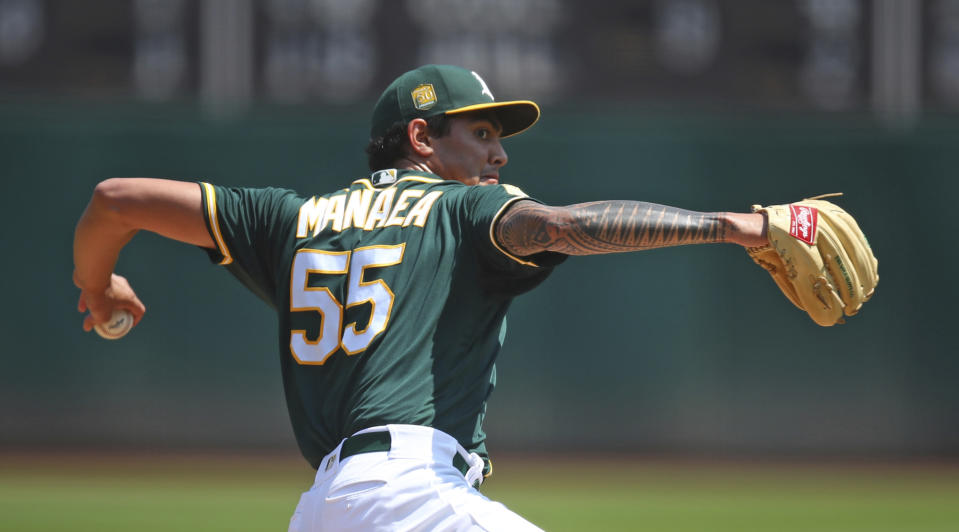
[424,97]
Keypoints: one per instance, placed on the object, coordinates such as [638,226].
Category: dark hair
[383,152]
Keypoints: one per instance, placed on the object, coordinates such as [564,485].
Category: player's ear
[417,132]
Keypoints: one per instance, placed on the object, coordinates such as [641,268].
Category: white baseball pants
[412,487]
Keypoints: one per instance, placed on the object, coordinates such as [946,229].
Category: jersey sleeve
[484,206]
[250,228]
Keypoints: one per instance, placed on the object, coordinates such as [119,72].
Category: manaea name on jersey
[366,209]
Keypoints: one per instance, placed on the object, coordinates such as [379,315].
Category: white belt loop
[474,476]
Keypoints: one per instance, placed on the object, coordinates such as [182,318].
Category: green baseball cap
[432,90]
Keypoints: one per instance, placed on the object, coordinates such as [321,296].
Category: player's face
[471,153]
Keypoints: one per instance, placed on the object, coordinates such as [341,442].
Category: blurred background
[703,104]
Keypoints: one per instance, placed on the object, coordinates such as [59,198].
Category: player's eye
[483,133]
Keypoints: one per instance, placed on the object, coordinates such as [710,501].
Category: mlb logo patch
[383,177]
[424,97]
[803,222]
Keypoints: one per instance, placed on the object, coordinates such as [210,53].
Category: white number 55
[319,299]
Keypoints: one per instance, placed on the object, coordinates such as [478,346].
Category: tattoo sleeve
[599,227]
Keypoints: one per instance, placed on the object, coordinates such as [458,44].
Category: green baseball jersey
[391,297]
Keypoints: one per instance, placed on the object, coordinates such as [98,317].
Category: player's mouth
[489,179]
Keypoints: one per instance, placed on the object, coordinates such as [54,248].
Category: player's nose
[498,155]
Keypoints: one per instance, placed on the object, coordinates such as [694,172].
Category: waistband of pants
[413,441]
[371,442]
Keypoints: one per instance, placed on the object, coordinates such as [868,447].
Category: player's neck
[409,164]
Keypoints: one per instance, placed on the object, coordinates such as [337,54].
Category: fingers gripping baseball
[819,258]
[101,304]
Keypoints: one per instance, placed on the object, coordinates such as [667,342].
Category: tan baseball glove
[819,258]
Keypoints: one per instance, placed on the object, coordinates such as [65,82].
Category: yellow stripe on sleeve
[215,224]
[492,237]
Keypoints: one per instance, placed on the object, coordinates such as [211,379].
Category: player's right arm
[119,209]
[616,226]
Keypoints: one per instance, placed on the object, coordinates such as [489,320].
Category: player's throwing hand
[100,303]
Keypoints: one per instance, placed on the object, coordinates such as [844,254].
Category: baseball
[120,323]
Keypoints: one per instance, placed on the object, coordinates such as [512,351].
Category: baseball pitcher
[392,294]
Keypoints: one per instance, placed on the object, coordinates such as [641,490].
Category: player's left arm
[528,227]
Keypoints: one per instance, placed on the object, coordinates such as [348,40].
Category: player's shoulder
[495,194]
[218,196]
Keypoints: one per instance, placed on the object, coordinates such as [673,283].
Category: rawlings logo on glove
[819,258]
[802,223]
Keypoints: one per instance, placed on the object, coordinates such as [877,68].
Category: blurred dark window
[749,54]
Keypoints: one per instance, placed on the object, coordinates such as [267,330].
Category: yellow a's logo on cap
[424,96]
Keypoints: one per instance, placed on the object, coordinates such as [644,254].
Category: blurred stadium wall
[705,104]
